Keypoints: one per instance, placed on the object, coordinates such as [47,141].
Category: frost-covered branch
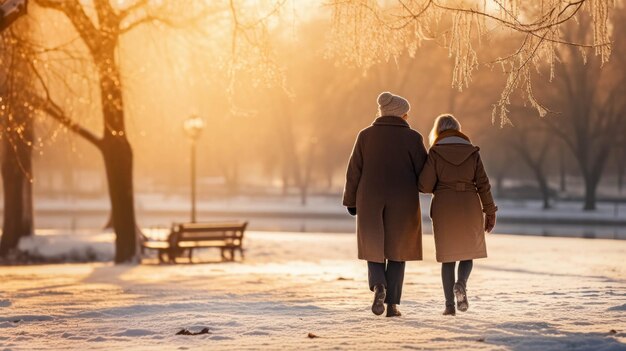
[366,32]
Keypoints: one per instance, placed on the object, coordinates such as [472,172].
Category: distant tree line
[273,100]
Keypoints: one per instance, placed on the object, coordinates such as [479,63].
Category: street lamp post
[193,126]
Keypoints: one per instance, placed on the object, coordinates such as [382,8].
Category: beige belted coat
[455,174]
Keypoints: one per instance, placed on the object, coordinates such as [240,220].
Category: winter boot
[449,311]
[378,306]
[461,297]
[392,310]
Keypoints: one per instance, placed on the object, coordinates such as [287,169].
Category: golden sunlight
[304,174]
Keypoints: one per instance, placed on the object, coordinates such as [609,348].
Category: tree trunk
[620,179]
[591,186]
[285,178]
[304,175]
[536,165]
[301,182]
[305,179]
[17,135]
[18,189]
[499,183]
[620,157]
[592,173]
[329,179]
[303,194]
[545,189]
[118,161]
[562,172]
[232,178]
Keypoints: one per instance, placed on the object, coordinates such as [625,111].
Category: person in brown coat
[455,175]
[381,185]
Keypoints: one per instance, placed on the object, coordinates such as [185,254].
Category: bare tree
[101,37]
[17,134]
[531,141]
[305,169]
[562,170]
[593,108]
[620,163]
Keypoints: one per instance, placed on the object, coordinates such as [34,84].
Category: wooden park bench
[227,236]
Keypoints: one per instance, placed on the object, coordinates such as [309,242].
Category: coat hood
[455,154]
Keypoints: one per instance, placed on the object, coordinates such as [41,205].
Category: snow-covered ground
[532,293]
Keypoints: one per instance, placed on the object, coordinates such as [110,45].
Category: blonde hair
[442,123]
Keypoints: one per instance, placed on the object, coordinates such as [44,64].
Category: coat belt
[457,186]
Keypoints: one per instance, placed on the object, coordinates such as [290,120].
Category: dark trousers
[447,276]
[390,275]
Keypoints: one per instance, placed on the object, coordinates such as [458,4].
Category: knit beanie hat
[392,105]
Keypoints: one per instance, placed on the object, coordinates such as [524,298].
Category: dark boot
[378,306]
[449,311]
[461,297]
[392,310]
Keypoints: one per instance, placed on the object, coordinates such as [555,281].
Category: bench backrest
[229,231]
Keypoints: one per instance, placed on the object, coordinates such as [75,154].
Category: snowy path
[532,293]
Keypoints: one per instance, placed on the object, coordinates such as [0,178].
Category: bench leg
[190,255]
[222,250]
[161,253]
[172,255]
[241,252]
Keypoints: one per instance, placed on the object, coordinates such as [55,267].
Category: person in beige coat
[381,185]
[455,175]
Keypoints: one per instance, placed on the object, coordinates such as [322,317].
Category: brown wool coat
[381,182]
[454,173]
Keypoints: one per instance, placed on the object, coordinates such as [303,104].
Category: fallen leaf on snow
[187,332]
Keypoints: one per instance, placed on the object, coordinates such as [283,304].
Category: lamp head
[193,126]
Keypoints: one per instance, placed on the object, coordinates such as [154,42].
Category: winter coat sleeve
[419,157]
[428,176]
[484,188]
[353,173]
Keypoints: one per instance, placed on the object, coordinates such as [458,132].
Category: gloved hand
[352,211]
[490,222]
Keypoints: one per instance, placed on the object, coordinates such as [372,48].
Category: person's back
[392,148]
[382,187]
[456,207]
[382,183]
[457,165]
[455,175]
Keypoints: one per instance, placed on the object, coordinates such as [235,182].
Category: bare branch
[81,22]
[52,109]
[566,137]
[139,4]
[150,18]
